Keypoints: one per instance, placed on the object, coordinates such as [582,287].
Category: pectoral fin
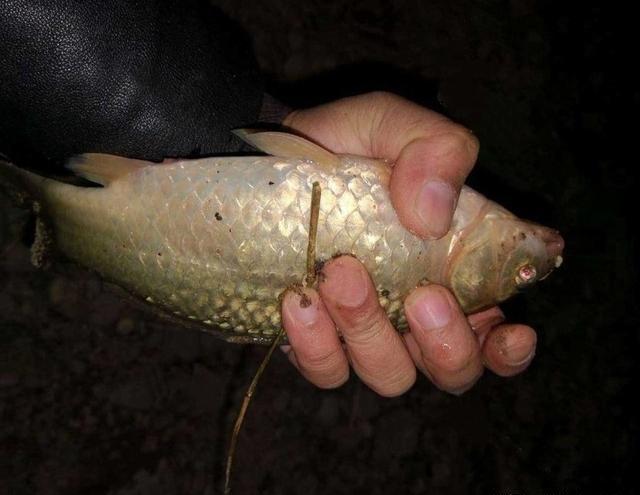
[285,145]
[104,169]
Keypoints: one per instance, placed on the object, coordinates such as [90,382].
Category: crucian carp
[217,240]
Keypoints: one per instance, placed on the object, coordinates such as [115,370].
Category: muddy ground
[98,396]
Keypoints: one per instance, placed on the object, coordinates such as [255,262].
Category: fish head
[501,256]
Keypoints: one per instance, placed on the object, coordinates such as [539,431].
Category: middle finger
[377,352]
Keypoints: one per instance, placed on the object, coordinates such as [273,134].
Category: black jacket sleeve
[141,78]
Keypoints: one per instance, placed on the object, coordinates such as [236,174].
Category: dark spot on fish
[207,181]
[217,171]
[219,217]
[384,293]
[229,230]
[271,183]
[159,254]
[523,236]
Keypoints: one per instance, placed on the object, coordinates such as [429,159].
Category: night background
[98,396]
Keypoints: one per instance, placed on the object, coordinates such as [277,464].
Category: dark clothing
[142,78]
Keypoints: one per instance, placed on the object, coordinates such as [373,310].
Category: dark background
[98,397]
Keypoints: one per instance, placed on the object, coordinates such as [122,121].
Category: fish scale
[181,257]
[218,240]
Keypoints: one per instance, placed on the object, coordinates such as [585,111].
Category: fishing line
[309,280]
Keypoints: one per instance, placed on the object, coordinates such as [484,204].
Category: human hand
[431,158]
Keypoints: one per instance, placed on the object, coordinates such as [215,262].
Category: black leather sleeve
[141,78]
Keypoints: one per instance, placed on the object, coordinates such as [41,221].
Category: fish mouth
[554,245]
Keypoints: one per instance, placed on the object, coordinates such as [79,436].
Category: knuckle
[382,96]
[290,119]
[323,361]
[326,369]
[367,324]
[453,363]
[459,137]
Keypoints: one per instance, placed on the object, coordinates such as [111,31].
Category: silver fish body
[218,240]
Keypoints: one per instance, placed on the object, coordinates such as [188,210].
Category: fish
[216,241]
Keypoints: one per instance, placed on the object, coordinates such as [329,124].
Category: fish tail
[33,192]
[20,185]
[25,187]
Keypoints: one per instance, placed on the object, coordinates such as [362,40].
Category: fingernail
[434,207]
[346,282]
[300,309]
[518,354]
[430,312]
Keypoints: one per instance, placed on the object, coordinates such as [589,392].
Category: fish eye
[526,275]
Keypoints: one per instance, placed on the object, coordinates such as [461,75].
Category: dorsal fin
[286,145]
[103,169]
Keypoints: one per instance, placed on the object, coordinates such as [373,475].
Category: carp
[217,240]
